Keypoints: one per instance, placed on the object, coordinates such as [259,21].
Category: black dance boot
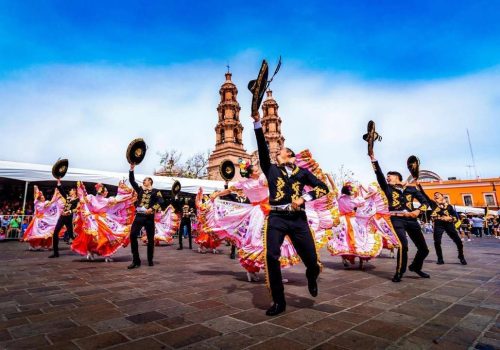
[276,309]
[419,272]
[440,261]
[134,266]
[462,260]
[312,286]
[397,277]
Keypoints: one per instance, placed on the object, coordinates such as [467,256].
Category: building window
[222,136]
[489,199]
[467,200]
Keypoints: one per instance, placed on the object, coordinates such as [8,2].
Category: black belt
[287,211]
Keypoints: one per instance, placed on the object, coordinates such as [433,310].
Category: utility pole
[472,155]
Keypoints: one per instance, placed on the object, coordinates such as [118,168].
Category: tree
[196,166]
[341,176]
[170,163]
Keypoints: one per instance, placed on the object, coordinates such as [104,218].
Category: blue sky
[372,39]
[93,64]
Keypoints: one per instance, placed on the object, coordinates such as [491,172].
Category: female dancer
[364,227]
[206,238]
[322,213]
[103,224]
[243,223]
[166,225]
[40,230]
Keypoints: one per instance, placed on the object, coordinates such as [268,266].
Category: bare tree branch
[170,162]
[195,167]
[342,175]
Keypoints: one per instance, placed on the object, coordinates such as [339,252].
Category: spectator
[477,226]
[24,226]
[14,227]
[489,224]
[5,222]
[496,227]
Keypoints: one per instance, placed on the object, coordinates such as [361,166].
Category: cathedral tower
[271,124]
[228,131]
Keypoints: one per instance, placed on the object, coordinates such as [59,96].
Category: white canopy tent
[30,172]
[468,210]
[476,211]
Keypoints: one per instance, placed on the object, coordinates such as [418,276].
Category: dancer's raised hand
[256,117]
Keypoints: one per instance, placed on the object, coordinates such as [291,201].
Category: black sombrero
[259,86]
[136,151]
[176,188]
[371,136]
[227,170]
[413,164]
[60,168]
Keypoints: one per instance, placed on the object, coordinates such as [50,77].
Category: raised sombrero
[259,86]
[60,168]
[371,136]
[136,151]
[413,164]
[227,170]
[176,188]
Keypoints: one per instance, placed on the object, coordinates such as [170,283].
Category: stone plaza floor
[203,301]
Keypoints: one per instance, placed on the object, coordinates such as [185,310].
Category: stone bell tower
[271,124]
[228,131]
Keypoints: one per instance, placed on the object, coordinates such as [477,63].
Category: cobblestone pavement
[203,301]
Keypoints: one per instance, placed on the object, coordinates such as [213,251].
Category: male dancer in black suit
[66,219]
[445,217]
[404,219]
[286,183]
[148,201]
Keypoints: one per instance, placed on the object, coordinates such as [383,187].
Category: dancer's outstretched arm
[264,159]
[380,175]
[131,178]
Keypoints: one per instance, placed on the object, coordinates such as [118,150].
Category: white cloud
[90,114]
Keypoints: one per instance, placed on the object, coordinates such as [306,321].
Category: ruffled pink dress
[208,236]
[166,225]
[243,224]
[363,227]
[322,213]
[381,218]
[41,228]
[103,223]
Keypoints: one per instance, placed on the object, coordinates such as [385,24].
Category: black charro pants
[295,226]
[441,227]
[63,221]
[187,223]
[140,221]
[402,226]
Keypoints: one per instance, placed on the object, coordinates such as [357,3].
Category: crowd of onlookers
[13,226]
[479,225]
[13,223]
[471,225]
